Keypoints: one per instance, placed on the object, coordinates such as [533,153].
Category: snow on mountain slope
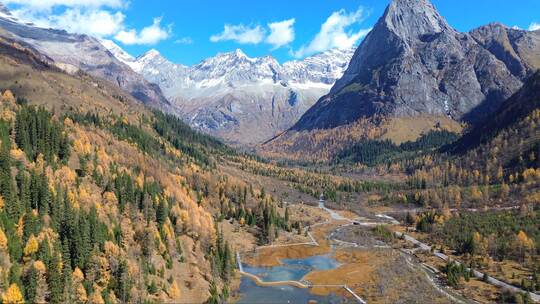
[118,52]
[239,98]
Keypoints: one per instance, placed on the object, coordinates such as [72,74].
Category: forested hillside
[73,200]
[103,200]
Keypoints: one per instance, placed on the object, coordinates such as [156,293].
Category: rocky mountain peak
[405,26]
[414,63]
[231,94]
[151,57]
[413,19]
[518,49]
[239,54]
[151,54]
[116,51]
[235,56]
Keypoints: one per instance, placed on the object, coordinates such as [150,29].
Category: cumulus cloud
[48,4]
[335,32]
[98,23]
[534,26]
[98,18]
[278,34]
[240,33]
[149,35]
[281,33]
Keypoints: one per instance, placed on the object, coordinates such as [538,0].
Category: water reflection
[293,269]
[290,270]
[253,294]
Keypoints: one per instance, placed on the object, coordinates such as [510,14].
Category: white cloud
[184,40]
[534,26]
[281,33]
[149,35]
[335,33]
[98,18]
[240,33]
[48,4]
[98,23]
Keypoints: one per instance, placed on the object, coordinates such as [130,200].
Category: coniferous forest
[77,225]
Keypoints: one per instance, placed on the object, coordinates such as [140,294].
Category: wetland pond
[289,270]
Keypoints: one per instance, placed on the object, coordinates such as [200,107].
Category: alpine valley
[405,169]
[241,99]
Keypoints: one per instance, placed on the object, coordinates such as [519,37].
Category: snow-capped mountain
[236,69]
[241,99]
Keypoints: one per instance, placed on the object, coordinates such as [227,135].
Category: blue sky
[187,31]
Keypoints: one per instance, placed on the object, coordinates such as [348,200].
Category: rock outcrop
[413,64]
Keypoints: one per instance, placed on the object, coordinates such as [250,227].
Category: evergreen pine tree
[30,284]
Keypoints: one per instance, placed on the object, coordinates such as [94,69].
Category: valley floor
[370,269]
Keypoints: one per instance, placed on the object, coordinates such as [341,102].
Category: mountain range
[414,64]
[412,72]
[242,99]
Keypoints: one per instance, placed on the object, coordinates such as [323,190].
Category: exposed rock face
[515,109]
[519,50]
[73,52]
[242,99]
[413,62]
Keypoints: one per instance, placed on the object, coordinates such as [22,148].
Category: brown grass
[60,91]
[272,256]
[358,270]
[403,129]
[324,144]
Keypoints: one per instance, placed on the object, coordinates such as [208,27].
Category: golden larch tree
[13,295]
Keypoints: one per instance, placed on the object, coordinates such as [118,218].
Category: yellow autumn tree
[524,244]
[78,275]
[96,298]
[13,295]
[3,240]
[80,291]
[104,272]
[7,97]
[504,191]
[533,198]
[31,246]
[41,291]
[110,198]
[480,244]
[174,291]
[476,194]
[20,226]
